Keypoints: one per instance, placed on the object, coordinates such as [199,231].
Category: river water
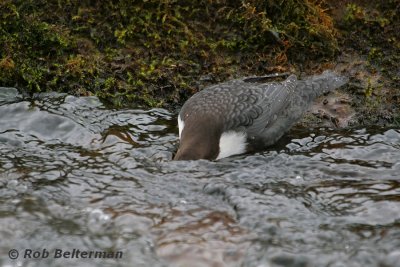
[75,175]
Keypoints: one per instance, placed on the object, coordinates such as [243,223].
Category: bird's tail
[311,87]
[319,84]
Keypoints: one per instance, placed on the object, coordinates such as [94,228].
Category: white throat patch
[181,124]
[231,143]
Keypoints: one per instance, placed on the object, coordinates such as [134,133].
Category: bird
[246,114]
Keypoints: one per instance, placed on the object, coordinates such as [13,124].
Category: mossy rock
[154,53]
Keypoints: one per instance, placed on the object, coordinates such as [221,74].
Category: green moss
[376,27]
[375,53]
[353,13]
[372,30]
[154,52]
[7,67]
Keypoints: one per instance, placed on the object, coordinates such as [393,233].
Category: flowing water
[75,175]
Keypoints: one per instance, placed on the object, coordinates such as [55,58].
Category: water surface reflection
[74,174]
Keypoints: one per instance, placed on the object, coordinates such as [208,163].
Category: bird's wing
[238,103]
[272,102]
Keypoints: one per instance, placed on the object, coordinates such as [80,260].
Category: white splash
[181,124]
[231,143]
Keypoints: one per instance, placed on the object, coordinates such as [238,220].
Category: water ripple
[74,174]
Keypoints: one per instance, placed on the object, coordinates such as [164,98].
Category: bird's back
[263,111]
[287,107]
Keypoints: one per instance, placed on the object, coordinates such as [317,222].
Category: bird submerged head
[198,139]
[204,139]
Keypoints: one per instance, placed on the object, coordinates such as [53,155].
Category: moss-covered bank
[154,52]
[370,47]
[159,52]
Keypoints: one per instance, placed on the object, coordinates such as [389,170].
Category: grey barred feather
[265,111]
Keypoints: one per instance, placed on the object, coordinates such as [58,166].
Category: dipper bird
[246,114]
